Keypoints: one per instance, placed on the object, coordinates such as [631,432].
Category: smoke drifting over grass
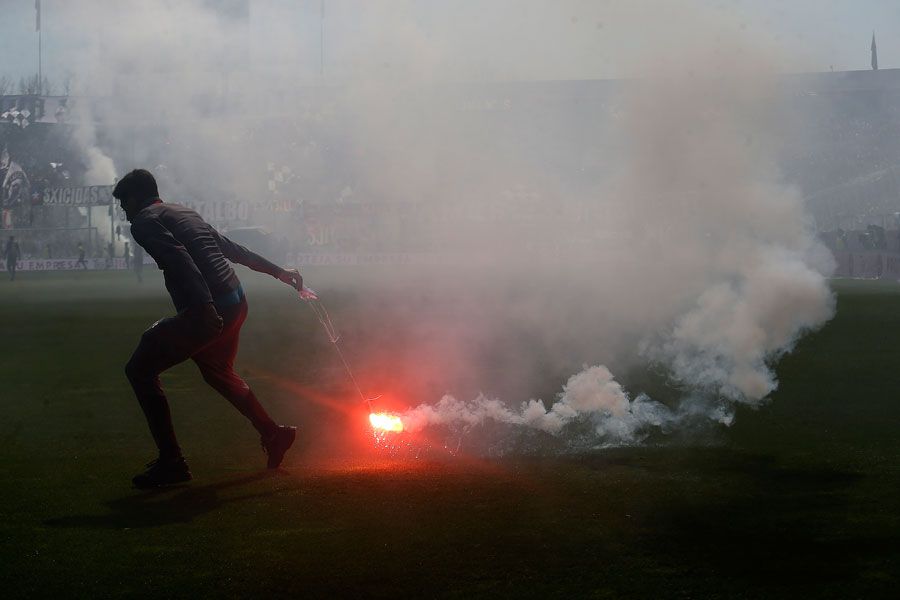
[692,254]
[731,273]
[589,396]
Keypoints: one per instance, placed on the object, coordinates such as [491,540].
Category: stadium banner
[66,264]
[370,259]
[299,260]
[331,259]
[892,266]
[220,211]
[867,265]
[92,195]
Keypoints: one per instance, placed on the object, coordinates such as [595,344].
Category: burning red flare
[385,422]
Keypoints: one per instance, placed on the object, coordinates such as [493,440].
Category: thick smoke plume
[591,395]
[672,241]
[731,273]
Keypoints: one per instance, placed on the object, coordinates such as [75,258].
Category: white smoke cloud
[591,392]
[731,274]
[724,343]
[591,395]
[692,252]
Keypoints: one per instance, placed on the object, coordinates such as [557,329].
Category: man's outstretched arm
[241,255]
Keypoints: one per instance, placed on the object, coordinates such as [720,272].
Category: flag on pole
[37,15]
[874,53]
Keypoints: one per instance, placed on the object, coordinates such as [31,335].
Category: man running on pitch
[211,309]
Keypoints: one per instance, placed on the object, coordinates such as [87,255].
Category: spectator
[81,260]
[62,111]
[12,254]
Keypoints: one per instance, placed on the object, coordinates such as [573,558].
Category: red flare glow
[385,422]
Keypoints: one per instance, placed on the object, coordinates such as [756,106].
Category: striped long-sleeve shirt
[193,256]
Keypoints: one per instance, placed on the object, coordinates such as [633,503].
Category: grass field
[798,499]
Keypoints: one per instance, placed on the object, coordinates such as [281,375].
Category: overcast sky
[815,35]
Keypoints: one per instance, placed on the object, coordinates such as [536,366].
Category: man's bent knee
[131,370]
[136,372]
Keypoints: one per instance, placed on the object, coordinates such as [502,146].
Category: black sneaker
[160,473]
[276,444]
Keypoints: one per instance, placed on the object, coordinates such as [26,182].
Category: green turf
[798,499]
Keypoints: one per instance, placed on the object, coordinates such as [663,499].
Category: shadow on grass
[754,521]
[166,506]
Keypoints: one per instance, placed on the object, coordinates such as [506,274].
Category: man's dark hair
[138,184]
